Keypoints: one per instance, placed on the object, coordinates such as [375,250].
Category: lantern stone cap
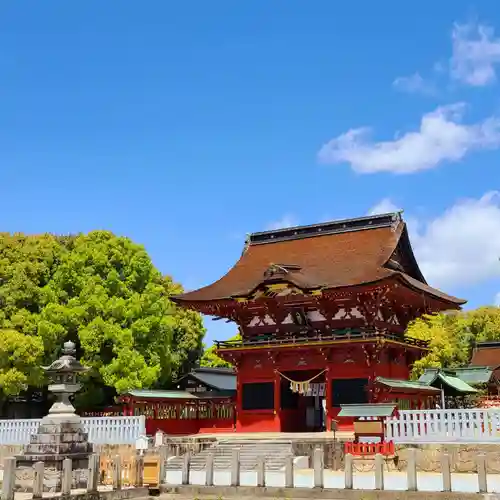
[67,363]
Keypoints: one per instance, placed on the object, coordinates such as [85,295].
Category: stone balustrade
[119,475]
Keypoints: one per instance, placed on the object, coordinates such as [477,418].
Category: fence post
[139,470]
[158,439]
[446,471]
[93,475]
[9,478]
[38,480]
[481,473]
[319,469]
[209,468]
[67,476]
[379,471]
[348,471]
[411,470]
[289,472]
[235,467]
[261,471]
[185,467]
[163,462]
[117,473]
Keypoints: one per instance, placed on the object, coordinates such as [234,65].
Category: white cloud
[441,137]
[476,51]
[462,245]
[286,221]
[497,300]
[414,84]
[385,206]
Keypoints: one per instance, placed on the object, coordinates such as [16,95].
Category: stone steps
[275,454]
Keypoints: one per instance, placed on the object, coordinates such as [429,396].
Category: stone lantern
[60,434]
[63,374]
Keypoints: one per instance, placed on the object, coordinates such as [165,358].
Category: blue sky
[185,125]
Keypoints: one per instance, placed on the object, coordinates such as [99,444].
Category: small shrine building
[201,402]
[322,312]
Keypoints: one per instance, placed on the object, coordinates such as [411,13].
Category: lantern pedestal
[61,434]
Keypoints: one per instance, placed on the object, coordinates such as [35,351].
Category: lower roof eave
[311,344]
[398,386]
[453,302]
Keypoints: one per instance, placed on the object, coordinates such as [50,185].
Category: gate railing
[101,430]
[444,426]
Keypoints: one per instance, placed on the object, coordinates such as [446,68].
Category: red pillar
[328,398]
[238,401]
[277,400]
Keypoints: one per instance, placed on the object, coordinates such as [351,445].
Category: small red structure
[369,435]
[204,402]
[322,312]
[180,412]
[406,394]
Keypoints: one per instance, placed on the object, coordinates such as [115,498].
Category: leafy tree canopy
[452,336]
[211,359]
[101,291]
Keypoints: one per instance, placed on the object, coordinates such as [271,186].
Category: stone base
[59,438]
[52,476]
[55,441]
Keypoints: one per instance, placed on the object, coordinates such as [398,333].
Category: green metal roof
[151,394]
[456,383]
[428,376]
[474,375]
[458,379]
[406,384]
[215,377]
[367,410]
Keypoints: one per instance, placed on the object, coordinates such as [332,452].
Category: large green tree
[101,291]
[453,335]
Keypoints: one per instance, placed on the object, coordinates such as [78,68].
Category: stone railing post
[261,471]
[139,471]
[67,476]
[379,471]
[289,481]
[482,478]
[235,467]
[158,439]
[446,471]
[348,471]
[163,463]
[117,473]
[185,468]
[209,468]
[38,473]
[319,468]
[9,478]
[93,475]
[411,470]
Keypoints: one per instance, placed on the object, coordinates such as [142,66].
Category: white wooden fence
[101,430]
[445,426]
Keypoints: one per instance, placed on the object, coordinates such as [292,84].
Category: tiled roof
[486,354]
[322,256]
